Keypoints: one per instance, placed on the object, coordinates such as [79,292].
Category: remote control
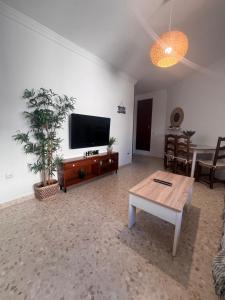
[162,182]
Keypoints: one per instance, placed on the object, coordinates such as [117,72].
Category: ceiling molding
[44,31]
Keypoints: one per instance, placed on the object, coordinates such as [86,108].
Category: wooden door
[144,122]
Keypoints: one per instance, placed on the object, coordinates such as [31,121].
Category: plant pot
[45,192]
[109,149]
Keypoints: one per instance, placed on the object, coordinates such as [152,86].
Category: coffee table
[165,202]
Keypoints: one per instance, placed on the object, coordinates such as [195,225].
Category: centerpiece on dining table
[189,133]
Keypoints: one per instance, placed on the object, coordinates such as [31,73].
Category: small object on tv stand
[91,153]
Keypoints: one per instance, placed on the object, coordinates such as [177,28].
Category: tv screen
[88,131]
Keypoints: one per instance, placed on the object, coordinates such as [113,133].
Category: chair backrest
[220,150]
[183,147]
[170,144]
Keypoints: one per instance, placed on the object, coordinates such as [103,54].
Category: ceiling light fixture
[170,48]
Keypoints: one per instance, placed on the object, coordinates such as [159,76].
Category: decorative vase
[109,149]
[45,192]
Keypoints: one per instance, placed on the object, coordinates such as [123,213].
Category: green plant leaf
[45,114]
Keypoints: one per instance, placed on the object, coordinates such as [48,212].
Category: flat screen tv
[88,131]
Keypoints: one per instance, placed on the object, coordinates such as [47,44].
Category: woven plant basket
[45,192]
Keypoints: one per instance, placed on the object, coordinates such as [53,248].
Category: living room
[80,243]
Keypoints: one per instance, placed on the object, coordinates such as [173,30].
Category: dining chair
[183,157]
[217,163]
[169,150]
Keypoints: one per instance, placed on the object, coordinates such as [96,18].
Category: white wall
[159,109]
[202,97]
[31,56]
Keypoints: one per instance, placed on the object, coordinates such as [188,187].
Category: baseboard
[147,153]
[125,165]
[141,152]
[149,156]
[16,201]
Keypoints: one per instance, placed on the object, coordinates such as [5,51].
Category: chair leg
[199,170]
[175,166]
[187,169]
[211,177]
[165,162]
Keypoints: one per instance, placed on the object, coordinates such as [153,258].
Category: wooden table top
[173,197]
[202,147]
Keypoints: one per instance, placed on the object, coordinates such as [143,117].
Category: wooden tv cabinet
[80,169]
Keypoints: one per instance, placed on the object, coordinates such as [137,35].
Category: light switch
[8,175]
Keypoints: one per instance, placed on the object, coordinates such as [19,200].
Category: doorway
[144,123]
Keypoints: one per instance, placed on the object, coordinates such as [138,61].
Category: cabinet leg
[64,189]
[60,187]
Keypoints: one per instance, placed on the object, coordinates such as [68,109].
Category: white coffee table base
[162,212]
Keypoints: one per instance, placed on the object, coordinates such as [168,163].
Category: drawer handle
[74,165]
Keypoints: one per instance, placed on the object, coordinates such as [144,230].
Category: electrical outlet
[8,175]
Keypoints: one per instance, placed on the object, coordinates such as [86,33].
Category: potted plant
[112,141]
[46,113]
[189,133]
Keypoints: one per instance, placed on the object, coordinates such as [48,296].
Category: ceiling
[119,31]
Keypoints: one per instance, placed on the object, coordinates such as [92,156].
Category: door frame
[134,150]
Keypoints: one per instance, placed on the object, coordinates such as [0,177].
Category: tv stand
[76,170]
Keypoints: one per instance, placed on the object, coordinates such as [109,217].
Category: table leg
[189,199]
[177,232]
[193,163]
[132,215]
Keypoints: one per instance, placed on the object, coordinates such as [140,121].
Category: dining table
[200,149]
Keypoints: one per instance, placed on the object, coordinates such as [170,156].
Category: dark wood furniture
[183,156]
[218,162]
[77,170]
[169,150]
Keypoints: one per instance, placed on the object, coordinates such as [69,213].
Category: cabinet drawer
[71,165]
[88,162]
[71,173]
[94,160]
[80,164]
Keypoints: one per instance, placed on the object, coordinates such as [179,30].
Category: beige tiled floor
[78,246]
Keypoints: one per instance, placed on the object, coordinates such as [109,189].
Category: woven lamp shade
[169,49]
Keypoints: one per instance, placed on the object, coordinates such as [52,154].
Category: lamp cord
[171,13]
